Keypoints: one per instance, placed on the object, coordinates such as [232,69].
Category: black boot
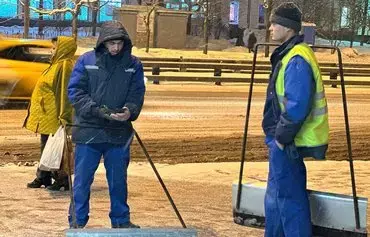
[37,183]
[56,186]
[127,225]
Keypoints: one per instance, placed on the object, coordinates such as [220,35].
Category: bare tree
[206,25]
[324,15]
[268,5]
[94,16]
[214,14]
[216,18]
[328,15]
[41,30]
[95,9]
[161,3]
[189,4]
[74,12]
[355,17]
[26,17]
[204,7]
[152,5]
[364,21]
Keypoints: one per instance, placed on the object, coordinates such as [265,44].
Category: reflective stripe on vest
[315,112]
[315,129]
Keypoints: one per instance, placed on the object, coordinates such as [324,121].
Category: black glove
[105,112]
[102,112]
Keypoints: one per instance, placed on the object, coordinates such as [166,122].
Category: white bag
[52,155]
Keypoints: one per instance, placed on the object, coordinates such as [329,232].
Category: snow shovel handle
[160,180]
[70,168]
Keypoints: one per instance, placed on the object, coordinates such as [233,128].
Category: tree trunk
[75,20]
[364,22]
[217,20]
[41,28]
[26,17]
[339,30]
[74,26]
[249,14]
[267,24]
[304,12]
[353,22]
[188,24]
[218,29]
[139,2]
[332,22]
[352,34]
[147,39]
[206,21]
[94,17]
[147,26]
[161,3]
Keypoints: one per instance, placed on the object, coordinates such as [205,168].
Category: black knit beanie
[287,14]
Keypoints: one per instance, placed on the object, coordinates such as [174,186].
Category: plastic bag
[52,155]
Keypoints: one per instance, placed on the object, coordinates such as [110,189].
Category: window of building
[179,5]
[8,8]
[47,5]
[234,12]
[106,12]
[344,22]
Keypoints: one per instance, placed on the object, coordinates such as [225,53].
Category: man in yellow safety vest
[295,122]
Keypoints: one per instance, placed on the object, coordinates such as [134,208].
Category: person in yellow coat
[49,107]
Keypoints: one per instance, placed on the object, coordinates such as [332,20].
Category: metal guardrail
[261,68]
[218,66]
[227,79]
[240,61]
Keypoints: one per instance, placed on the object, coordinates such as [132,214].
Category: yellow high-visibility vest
[315,129]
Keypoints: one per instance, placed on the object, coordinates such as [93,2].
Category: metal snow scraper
[331,214]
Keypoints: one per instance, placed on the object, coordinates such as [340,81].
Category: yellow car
[22,62]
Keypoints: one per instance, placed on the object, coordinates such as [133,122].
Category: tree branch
[60,10]
[9,19]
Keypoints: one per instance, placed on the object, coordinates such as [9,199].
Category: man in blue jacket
[107,91]
[295,122]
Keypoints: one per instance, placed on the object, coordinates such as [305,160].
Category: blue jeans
[287,208]
[87,159]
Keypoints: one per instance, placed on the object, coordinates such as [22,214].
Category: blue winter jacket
[113,81]
[299,85]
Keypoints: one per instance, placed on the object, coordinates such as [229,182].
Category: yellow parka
[49,106]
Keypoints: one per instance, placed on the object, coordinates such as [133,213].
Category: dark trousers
[59,176]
